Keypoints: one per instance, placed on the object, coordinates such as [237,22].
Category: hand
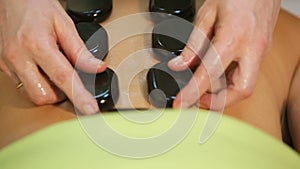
[241,33]
[32,34]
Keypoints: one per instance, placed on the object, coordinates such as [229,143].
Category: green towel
[140,140]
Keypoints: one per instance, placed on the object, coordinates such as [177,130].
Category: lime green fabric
[68,145]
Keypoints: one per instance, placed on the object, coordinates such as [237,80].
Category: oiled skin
[20,117]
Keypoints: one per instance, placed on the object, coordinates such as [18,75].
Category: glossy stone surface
[164,84]
[89,10]
[95,38]
[181,8]
[104,87]
[171,37]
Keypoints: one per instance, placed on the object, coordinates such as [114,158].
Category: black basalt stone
[104,87]
[89,10]
[170,36]
[95,38]
[181,8]
[164,84]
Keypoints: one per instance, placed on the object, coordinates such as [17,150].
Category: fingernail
[98,64]
[178,61]
[89,109]
[180,104]
[95,62]
[185,105]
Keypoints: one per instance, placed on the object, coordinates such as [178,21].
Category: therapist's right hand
[32,35]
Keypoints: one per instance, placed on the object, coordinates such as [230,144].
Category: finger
[35,84]
[198,42]
[74,48]
[61,72]
[193,90]
[213,65]
[213,101]
[6,67]
[242,83]
[21,69]
[218,101]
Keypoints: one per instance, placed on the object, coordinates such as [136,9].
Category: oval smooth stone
[89,10]
[170,37]
[164,84]
[104,87]
[181,8]
[95,38]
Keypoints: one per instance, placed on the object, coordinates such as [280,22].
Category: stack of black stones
[169,37]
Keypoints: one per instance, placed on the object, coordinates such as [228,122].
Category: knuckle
[69,21]
[36,43]
[10,54]
[240,37]
[79,52]
[265,43]
[65,20]
[35,46]
[205,23]
[62,76]
[28,39]
[245,92]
